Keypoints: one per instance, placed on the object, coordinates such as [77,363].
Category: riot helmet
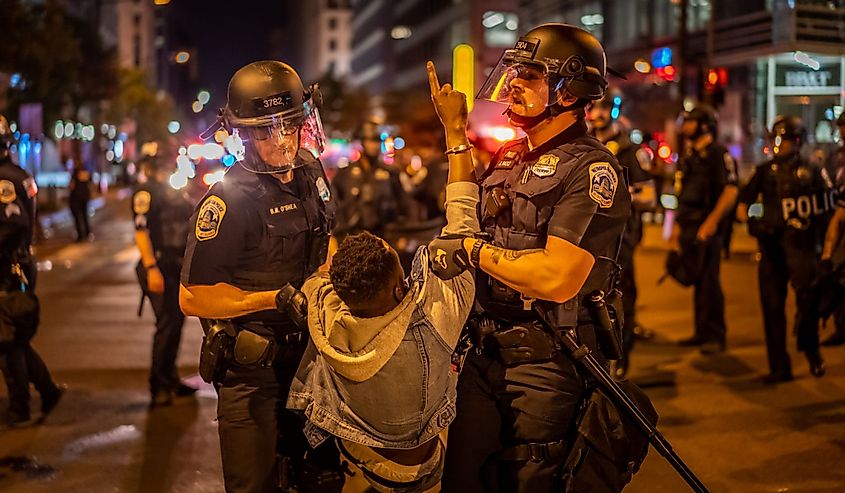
[274,116]
[788,135]
[561,56]
[369,136]
[6,136]
[705,118]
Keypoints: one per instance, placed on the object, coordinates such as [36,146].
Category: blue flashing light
[399,143]
[661,57]
[614,113]
[617,100]
[384,136]
[228,160]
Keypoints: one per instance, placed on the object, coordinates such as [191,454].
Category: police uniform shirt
[164,213]
[366,200]
[17,206]
[837,169]
[571,187]
[256,233]
[794,195]
[700,180]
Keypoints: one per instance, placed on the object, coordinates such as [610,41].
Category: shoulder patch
[612,146]
[323,189]
[141,202]
[603,182]
[209,218]
[546,165]
[7,192]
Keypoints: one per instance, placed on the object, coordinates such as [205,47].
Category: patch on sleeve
[141,202]
[603,181]
[546,165]
[30,186]
[7,192]
[612,146]
[322,189]
[209,218]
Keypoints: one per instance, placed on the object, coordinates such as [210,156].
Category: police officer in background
[368,193]
[797,202]
[254,238]
[80,194]
[19,362]
[636,160]
[554,206]
[837,170]
[705,184]
[161,216]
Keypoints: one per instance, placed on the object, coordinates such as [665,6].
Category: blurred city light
[399,143]
[502,134]
[664,151]
[592,19]
[197,106]
[182,57]
[203,97]
[59,131]
[642,66]
[68,130]
[178,180]
[400,32]
[228,160]
[669,201]
[161,2]
[463,72]
[213,177]
[804,59]
[636,136]
[492,19]
[661,57]
[173,126]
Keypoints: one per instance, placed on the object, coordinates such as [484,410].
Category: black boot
[816,363]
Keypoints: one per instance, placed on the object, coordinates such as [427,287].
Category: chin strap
[552,110]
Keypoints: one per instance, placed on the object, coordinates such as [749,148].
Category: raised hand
[450,105]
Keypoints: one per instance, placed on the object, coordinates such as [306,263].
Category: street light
[182,57]
[203,97]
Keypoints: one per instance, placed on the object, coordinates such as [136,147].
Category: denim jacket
[387,381]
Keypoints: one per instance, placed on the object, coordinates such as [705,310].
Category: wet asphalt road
[738,435]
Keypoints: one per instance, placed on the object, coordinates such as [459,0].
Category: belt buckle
[536,452]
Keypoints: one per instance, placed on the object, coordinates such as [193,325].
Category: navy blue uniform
[163,213]
[700,180]
[368,198]
[797,200]
[80,195]
[258,234]
[573,188]
[20,363]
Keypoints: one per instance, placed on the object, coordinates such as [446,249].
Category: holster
[218,347]
[525,343]
[607,315]
[252,349]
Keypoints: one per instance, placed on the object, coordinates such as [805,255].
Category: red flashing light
[664,151]
[712,77]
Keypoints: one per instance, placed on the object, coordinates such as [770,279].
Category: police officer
[705,184]
[554,206]
[20,364]
[368,193]
[837,170]
[637,161]
[263,228]
[80,195]
[797,201]
[161,229]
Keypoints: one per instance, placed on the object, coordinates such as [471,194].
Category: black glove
[294,304]
[524,344]
[448,257]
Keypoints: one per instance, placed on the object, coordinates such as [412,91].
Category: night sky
[229,34]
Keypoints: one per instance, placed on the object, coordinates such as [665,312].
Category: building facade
[327,25]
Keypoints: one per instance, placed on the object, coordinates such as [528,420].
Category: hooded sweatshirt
[387,381]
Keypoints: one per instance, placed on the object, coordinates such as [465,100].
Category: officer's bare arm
[725,203]
[223,301]
[145,246]
[834,233]
[555,273]
[742,212]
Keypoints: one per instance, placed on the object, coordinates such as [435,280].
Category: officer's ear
[566,99]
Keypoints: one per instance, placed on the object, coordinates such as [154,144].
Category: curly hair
[361,268]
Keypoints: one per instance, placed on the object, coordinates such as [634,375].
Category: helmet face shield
[498,87]
[274,145]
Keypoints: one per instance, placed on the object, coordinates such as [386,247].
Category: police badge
[603,181]
[546,165]
[209,218]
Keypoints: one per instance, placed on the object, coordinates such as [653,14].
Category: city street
[736,434]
